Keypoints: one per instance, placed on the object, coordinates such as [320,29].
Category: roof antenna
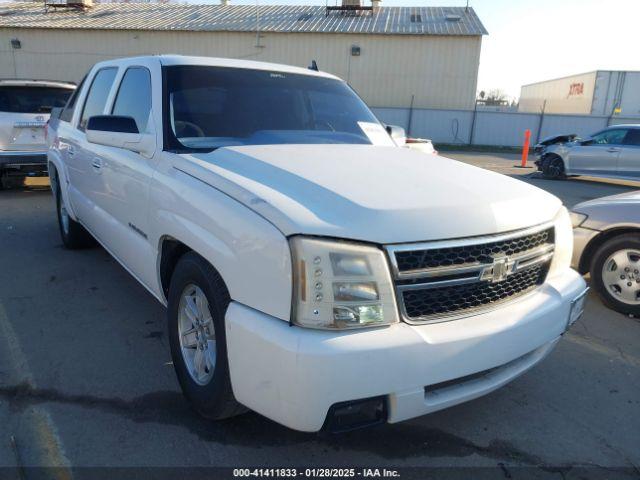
[313,66]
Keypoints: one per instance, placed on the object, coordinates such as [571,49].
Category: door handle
[97,163]
[71,151]
[613,150]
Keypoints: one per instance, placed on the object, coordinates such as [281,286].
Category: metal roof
[245,18]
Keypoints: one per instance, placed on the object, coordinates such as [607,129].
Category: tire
[617,258]
[200,359]
[554,168]
[74,236]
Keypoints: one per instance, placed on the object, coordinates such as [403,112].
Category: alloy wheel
[197,334]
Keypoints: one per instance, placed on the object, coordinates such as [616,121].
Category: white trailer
[602,92]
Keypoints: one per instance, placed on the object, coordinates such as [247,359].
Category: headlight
[340,285]
[577,219]
[564,242]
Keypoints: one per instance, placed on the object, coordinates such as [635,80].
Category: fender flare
[59,177]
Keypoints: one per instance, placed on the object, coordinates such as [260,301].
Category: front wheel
[198,301]
[554,168]
[615,272]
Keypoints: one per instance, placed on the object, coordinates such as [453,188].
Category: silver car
[611,153]
[607,244]
[25,106]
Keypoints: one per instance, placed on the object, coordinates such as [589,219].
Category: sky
[533,40]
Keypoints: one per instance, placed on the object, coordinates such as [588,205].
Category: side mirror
[586,141]
[397,134]
[120,132]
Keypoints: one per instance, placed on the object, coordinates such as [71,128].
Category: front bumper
[294,375]
[581,238]
[9,158]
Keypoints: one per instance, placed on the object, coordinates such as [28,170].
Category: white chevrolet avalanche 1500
[312,270]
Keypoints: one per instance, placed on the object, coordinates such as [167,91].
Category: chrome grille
[438,281]
[411,260]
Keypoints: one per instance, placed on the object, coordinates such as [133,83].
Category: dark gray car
[607,244]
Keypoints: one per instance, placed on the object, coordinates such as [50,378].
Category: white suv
[25,106]
[312,270]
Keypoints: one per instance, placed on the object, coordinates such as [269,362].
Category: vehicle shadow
[390,441]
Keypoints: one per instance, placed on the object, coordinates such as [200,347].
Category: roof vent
[74,4]
[305,16]
[452,17]
[416,18]
[349,7]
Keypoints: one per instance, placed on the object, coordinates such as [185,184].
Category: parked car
[25,106]
[607,245]
[312,270]
[423,145]
[611,153]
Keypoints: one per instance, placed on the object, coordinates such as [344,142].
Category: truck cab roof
[18,82]
[171,60]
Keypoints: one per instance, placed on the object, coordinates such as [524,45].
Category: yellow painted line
[49,442]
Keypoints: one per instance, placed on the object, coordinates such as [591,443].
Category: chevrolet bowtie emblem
[498,271]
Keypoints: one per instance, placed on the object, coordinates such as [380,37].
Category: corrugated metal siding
[617,89]
[244,18]
[493,128]
[440,71]
[578,124]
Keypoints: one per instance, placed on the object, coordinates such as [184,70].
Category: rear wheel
[554,168]
[74,236]
[615,271]
[198,301]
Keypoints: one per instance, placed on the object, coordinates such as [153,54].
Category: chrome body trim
[462,242]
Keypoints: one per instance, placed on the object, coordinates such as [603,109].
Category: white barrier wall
[491,128]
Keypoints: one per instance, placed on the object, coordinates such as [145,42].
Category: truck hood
[376,194]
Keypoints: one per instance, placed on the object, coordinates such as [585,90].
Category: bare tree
[496,96]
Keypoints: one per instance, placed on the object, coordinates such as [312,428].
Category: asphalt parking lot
[86,379]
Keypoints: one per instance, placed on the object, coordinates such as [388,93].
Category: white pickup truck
[312,270]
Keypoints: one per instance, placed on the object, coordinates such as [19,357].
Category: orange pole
[525,147]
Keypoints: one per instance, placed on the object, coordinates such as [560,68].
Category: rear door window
[32,99]
[134,96]
[97,96]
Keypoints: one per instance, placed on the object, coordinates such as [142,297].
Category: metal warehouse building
[388,54]
[603,92]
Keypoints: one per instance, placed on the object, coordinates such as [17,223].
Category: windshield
[16,99]
[212,107]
